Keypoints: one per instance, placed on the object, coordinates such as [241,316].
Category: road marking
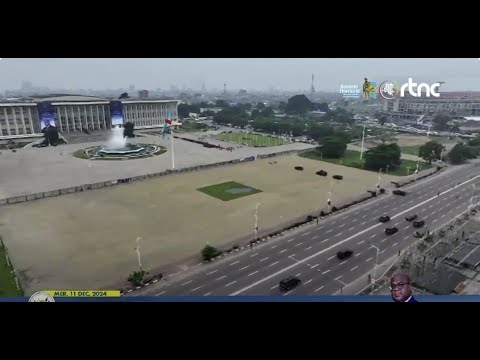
[306,282]
[288,292]
[364,216]
[324,240]
[423,210]
[371,237]
[410,202]
[353,227]
[329,231]
[298,274]
[314,237]
[308,248]
[394,244]
[363,223]
[394,209]
[341,225]
[443,215]
[253,273]
[397,223]
[197,288]
[331,257]
[338,277]
[263,259]
[333,246]
[300,243]
[383,240]
[186,283]
[254,255]
[320,288]
[291,256]
[314,266]
[273,287]
[369,259]
[434,220]
[233,282]
[305,234]
[430,206]
[212,272]
[333,222]
[360,242]
[275,263]
[236,262]
[160,293]
[222,277]
[323,273]
[343,262]
[406,237]
[245,267]
[354,268]
[381,252]
[458,207]
[338,234]
[358,254]
[274,246]
[282,251]
[289,240]
[207,294]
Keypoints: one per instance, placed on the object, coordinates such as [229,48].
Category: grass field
[412,149]
[7,280]
[221,191]
[351,158]
[250,139]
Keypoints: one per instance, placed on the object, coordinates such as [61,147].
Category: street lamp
[416,170]
[408,170]
[138,253]
[363,141]
[376,264]
[329,203]
[256,220]
[342,285]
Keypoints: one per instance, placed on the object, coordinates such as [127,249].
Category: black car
[289,283]
[384,218]
[391,231]
[411,217]
[399,192]
[300,168]
[418,224]
[342,255]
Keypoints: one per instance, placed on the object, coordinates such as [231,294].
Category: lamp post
[416,170]
[329,203]
[363,141]
[137,249]
[256,220]
[408,170]
[375,269]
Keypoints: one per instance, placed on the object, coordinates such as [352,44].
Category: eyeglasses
[398,286]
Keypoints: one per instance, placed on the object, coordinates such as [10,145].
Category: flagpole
[173,154]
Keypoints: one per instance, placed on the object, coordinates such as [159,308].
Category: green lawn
[351,158]
[191,127]
[221,191]
[250,139]
[412,150]
[7,281]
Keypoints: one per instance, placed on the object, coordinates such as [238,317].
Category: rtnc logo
[389,89]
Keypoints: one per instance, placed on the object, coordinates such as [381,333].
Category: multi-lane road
[310,252]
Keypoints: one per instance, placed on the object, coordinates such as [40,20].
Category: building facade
[77,113]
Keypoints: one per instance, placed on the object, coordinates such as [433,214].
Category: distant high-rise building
[312,88]
[242,92]
[225,89]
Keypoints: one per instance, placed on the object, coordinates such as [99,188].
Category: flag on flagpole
[167,128]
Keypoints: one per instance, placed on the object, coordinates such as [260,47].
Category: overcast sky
[250,74]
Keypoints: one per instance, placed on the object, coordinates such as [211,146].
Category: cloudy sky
[250,74]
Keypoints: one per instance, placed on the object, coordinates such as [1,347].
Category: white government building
[76,113]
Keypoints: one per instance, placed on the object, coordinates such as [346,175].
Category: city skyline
[250,74]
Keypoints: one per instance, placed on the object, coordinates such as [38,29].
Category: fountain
[117,148]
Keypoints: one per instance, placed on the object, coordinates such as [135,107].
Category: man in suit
[401,289]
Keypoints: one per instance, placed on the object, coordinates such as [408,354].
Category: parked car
[337,177]
[391,231]
[384,218]
[411,217]
[300,168]
[289,283]
[399,192]
[321,173]
[342,255]
[418,224]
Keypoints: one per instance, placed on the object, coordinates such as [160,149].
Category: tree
[381,156]
[474,142]
[382,120]
[457,154]
[282,105]
[209,252]
[260,106]
[387,136]
[136,278]
[221,103]
[333,147]
[298,104]
[320,132]
[124,96]
[441,122]
[129,129]
[321,107]
[256,113]
[267,112]
[430,151]
[183,110]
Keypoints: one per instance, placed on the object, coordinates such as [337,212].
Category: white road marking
[253,273]
[423,210]
[275,263]
[273,287]
[298,274]
[186,283]
[360,242]
[406,237]
[394,244]
[274,246]
[343,262]
[282,251]
[308,248]
[305,234]
[160,293]
[323,273]
[410,202]
[212,272]
[381,252]
[363,223]
[443,215]
[331,257]
[338,234]
[306,282]
[207,294]
[383,240]
[358,254]
[233,282]
[458,207]
[314,237]
[300,243]
[222,277]
[314,266]
[291,256]
[353,227]
[353,268]
[288,292]
[320,288]
[434,220]
[337,244]
[264,259]
[340,226]
[338,277]
[371,237]
[394,209]
[254,255]
[197,288]
[245,267]
[325,240]
[329,231]
[397,223]
[236,262]
[369,259]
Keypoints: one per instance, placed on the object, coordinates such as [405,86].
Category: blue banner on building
[116,113]
[46,114]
